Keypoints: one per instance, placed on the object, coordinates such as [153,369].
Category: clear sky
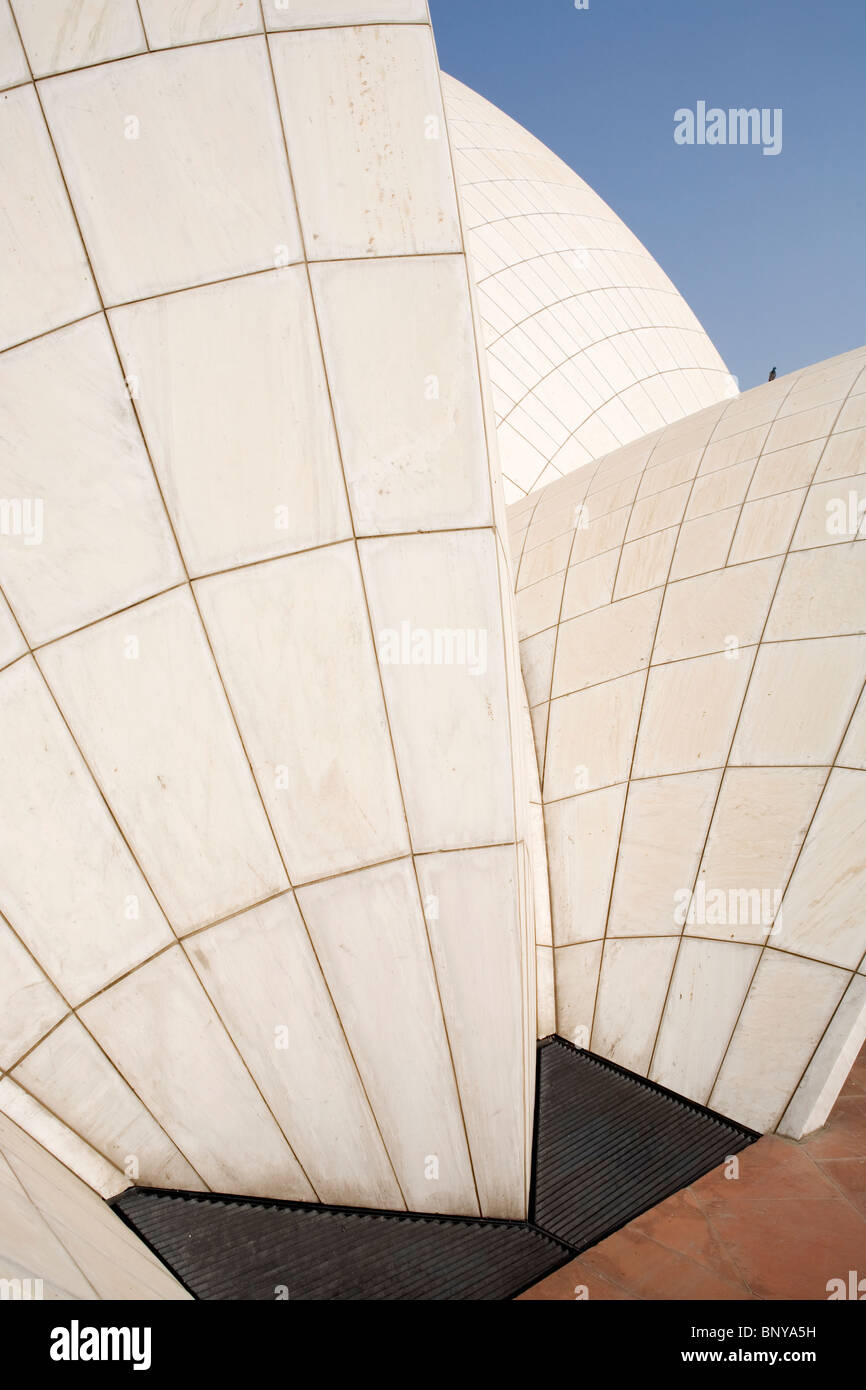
[769,251]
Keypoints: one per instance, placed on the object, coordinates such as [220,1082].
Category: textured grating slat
[224,1249]
[609,1145]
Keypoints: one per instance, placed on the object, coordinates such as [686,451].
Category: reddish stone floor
[793,1219]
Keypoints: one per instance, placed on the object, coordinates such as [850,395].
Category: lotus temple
[432,714]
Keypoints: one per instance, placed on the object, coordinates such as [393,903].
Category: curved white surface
[59,1241]
[693,622]
[260,735]
[589,345]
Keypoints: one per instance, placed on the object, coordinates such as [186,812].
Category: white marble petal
[232,395]
[853,751]
[822,912]
[666,820]
[704,614]
[29,1003]
[471,907]
[112,1261]
[828,1070]
[172,22]
[583,836]
[60,34]
[612,641]
[90,535]
[13,64]
[29,1248]
[400,347]
[12,644]
[367,138]
[801,697]
[38,230]
[627,1019]
[577,975]
[591,738]
[68,883]
[293,641]
[70,1075]
[758,829]
[789,1005]
[435,607]
[546,991]
[712,689]
[59,1140]
[144,698]
[822,593]
[176,167]
[311,14]
[164,1035]
[707,990]
[370,936]
[263,976]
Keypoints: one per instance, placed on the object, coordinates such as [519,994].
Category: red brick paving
[793,1219]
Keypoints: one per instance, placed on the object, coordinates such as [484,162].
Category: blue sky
[770,251]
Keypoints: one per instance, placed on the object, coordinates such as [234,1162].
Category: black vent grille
[226,1248]
[610,1145]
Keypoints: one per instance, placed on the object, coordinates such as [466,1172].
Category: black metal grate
[231,1248]
[608,1146]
